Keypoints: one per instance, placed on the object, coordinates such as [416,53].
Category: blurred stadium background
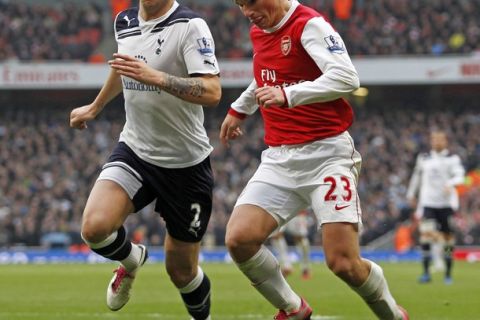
[419,64]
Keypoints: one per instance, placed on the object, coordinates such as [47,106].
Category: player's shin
[448,256]
[116,247]
[303,247]
[196,296]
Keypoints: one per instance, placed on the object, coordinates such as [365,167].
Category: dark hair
[249,2]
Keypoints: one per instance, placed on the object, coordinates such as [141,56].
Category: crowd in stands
[368,27]
[39,32]
[72,31]
[47,170]
[398,27]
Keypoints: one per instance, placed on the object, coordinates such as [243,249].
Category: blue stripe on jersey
[182,14]
[129,34]
[127,19]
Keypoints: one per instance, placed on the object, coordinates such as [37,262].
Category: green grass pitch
[77,291]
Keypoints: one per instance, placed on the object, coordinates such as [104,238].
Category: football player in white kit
[167,69]
[297,228]
[301,71]
[434,178]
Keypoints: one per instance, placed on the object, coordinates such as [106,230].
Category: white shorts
[322,174]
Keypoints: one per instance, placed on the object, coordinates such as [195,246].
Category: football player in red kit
[302,71]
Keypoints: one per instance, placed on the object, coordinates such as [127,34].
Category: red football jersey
[281,60]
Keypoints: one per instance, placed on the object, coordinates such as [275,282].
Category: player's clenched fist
[80,116]
[270,96]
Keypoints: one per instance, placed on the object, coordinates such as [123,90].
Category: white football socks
[375,292]
[281,248]
[132,261]
[304,248]
[263,271]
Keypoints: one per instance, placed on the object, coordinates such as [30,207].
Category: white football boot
[118,292]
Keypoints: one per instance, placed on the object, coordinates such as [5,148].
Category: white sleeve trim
[327,49]
[246,103]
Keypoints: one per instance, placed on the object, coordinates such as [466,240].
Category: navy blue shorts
[442,217]
[183,195]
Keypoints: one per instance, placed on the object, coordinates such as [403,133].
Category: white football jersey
[435,176]
[161,128]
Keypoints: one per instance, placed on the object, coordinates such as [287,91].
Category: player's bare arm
[270,96]
[196,87]
[80,116]
[204,90]
[230,129]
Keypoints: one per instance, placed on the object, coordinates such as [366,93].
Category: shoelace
[121,274]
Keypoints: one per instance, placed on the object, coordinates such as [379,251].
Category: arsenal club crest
[286,45]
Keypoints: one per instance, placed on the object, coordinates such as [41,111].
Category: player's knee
[95,230]
[237,239]
[181,276]
[342,267]
[233,241]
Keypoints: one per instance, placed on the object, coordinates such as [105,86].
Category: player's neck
[150,13]
[282,11]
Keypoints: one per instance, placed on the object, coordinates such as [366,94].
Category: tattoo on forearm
[182,86]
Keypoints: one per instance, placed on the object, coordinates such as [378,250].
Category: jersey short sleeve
[199,49]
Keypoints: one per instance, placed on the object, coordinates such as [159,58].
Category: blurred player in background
[301,72]
[297,228]
[167,69]
[434,178]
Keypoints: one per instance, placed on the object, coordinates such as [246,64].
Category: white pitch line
[94,315]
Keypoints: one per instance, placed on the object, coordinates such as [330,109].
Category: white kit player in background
[434,179]
[297,229]
[167,70]
[302,71]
